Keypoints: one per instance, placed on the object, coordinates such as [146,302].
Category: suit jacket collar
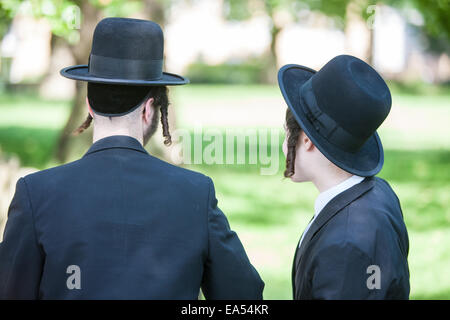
[124,142]
[329,211]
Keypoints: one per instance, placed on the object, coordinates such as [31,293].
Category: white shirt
[326,196]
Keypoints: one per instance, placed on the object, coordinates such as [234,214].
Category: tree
[72,23]
[91,13]
[436,22]
[240,10]
[435,14]
[80,51]
[7,10]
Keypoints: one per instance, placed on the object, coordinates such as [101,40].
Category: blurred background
[231,51]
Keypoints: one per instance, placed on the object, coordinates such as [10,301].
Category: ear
[89,108]
[309,145]
[147,112]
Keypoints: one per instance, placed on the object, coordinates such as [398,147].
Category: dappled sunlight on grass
[33,146]
[269,213]
[429,262]
[29,111]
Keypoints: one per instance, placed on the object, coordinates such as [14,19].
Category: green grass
[270,218]
[29,127]
[269,213]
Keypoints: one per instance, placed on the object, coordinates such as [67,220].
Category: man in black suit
[356,245]
[119,223]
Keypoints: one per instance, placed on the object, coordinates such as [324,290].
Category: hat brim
[366,162]
[81,72]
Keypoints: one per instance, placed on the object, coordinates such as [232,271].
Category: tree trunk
[272,63]
[358,35]
[155,10]
[69,146]
[370,46]
[273,58]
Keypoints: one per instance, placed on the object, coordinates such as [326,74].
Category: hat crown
[126,38]
[125,51]
[353,94]
[124,48]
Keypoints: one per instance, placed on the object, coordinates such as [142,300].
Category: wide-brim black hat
[126,51]
[81,72]
[322,103]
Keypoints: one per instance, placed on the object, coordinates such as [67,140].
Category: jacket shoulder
[146,169]
[52,173]
[180,172]
[371,219]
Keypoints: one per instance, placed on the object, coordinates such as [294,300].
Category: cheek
[297,162]
[298,156]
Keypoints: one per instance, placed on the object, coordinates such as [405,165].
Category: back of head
[118,99]
[120,105]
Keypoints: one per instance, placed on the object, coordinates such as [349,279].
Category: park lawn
[270,218]
[269,213]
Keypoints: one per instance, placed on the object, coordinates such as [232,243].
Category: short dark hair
[101,96]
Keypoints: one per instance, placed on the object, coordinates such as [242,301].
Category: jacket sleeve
[228,273]
[344,272]
[21,258]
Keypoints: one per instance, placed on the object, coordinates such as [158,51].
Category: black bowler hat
[340,107]
[126,52]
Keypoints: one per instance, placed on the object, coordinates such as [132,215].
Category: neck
[328,177]
[100,133]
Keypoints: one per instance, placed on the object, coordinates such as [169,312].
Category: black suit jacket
[359,228]
[135,226]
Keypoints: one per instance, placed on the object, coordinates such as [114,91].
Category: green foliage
[8,8]
[239,10]
[236,10]
[64,16]
[436,14]
[115,8]
[329,7]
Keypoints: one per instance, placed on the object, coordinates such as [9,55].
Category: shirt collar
[124,142]
[324,197]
